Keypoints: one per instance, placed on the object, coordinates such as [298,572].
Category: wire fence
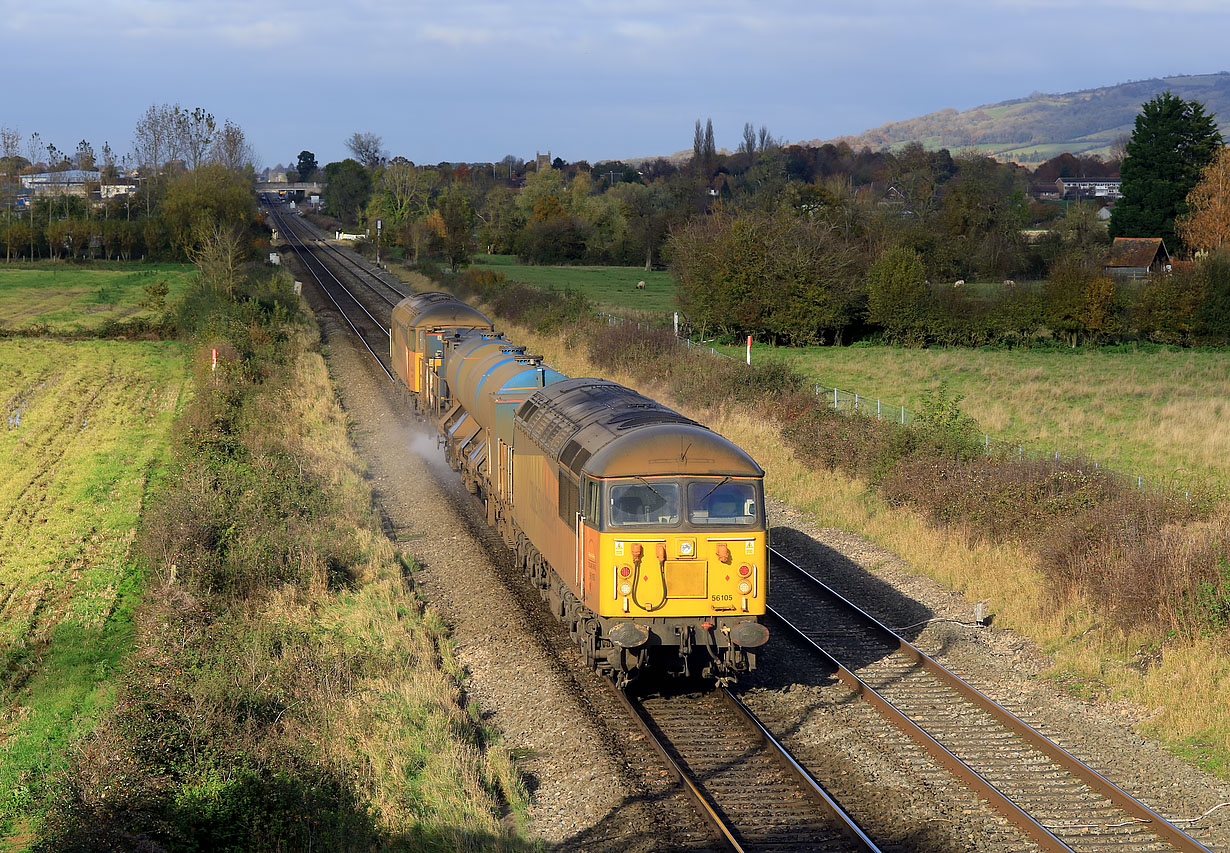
[856,403]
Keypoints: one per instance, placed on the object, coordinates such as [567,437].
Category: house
[68,182]
[1076,188]
[1136,257]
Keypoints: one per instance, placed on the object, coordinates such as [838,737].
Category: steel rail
[341,312]
[1099,784]
[711,809]
[359,266]
[707,809]
[809,782]
[298,230]
[311,252]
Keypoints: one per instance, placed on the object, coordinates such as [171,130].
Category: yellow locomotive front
[681,562]
[678,546]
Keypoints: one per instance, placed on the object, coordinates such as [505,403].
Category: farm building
[1136,257]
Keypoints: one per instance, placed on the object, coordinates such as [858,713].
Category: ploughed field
[66,299]
[83,428]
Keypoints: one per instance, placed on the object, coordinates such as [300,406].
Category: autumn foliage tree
[771,275]
[1206,225]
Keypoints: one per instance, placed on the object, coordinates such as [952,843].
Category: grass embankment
[610,288]
[1161,413]
[1130,593]
[259,673]
[86,426]
[62,299]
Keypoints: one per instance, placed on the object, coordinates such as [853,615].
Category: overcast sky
[464,80]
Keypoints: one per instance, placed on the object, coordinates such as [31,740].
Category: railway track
[752,791]
[379,282]
[364,319]
[1057,801]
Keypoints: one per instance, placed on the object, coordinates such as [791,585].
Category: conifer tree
[1172,142]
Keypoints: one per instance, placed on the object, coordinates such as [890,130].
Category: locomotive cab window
[591,504]
[722,502]
[643,504]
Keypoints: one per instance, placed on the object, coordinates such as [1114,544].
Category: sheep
[640,285]
[958,282]
[1009,283]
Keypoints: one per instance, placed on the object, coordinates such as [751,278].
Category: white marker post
[213,367]
[749,350]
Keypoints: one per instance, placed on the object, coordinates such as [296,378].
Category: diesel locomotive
[643,530]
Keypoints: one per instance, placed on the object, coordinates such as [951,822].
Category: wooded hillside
[1036,128]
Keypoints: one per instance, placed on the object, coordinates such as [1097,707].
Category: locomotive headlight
[745,587]
[687,548]
[625,588]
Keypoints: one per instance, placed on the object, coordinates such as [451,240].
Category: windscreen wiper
[715,488]
[651,488]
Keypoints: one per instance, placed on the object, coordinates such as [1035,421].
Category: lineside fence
[856,403]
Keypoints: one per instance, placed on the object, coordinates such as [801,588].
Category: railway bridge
[299,188]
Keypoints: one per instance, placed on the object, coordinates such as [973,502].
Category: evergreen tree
[1172,142]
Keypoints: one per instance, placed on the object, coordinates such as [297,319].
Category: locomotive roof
[455,313]
[606,430]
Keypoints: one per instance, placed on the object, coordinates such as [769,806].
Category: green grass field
[83,428]
[610,288]
[66,298]
[1164,414]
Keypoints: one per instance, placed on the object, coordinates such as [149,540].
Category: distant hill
[1034,129]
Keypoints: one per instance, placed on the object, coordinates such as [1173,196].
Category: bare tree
[767,142]
[10,145]
[34,149]
[748,145]
[231,149]
[194,132]
[154,144]
[367,149]
[219,256]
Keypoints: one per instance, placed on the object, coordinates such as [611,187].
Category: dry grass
[1089,658]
